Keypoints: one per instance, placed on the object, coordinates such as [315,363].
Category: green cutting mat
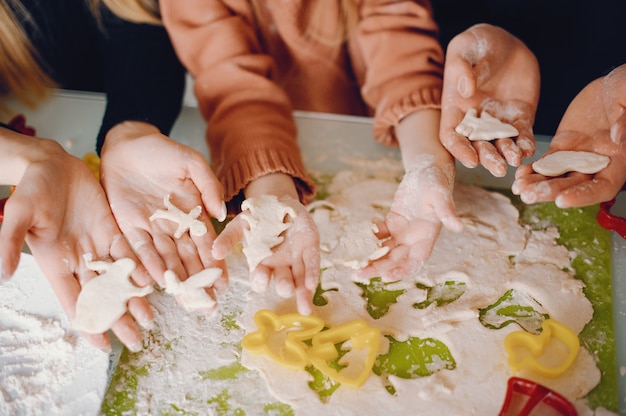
[579,232]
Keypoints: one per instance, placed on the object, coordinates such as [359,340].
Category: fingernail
[462,87]
[135,347]
[223,213]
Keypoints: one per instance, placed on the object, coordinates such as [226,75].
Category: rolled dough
[486,127]
[558,163]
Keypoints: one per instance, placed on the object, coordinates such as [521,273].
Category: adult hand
[595,121]
[491,70]
[60,210]
[295,263]
[139,167]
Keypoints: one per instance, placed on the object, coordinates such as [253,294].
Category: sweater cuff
[258,164]
[389,116]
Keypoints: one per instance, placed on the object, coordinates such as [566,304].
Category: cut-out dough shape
[486,127]
[267,220]
[362,248]
[103,300]
[558,163]
[185,221]
[191,293]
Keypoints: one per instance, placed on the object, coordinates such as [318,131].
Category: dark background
[575,41]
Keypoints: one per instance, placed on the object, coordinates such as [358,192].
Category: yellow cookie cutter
[323,351]
[294,327]
[536,344]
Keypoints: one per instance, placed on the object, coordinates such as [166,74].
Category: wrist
[278,184]
[128,130]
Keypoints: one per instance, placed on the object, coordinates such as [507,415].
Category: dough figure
[558,163]
[267,218]
[486,127]
[103,299]
[185,221]
[191,293]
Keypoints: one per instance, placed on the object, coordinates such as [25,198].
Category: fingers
[232,234]
[537,188]
[490,158]
[143,245]
[211,189]
[459,146]
[509,149]
[587,193]
[12,236]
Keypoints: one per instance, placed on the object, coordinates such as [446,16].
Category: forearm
[418,135]
[18,151]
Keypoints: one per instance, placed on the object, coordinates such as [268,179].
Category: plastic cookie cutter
[610,221]
[533,351]
[281,337]
[526,398]
[358,362]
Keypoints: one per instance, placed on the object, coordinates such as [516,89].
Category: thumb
[232,234]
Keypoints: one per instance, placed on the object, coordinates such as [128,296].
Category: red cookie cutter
[527,398]
[609,221]
[17,123]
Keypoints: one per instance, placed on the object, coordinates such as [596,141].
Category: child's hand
[139,168]
[295,263]
[489,69]
[595,121]
[422,203]
[60,210]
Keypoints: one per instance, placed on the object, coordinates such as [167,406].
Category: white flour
[193,364]
[45,367]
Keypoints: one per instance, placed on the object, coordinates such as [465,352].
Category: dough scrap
[191,293]
[268,219]
[486,127]
[558,163]
[185,221]
[103,300]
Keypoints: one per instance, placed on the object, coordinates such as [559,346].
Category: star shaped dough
[185,221]
[191,292]
[486,127]
[103,300]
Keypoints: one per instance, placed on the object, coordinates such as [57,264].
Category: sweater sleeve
[143,78]
[251,131]
[395,44]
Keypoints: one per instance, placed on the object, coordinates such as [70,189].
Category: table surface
[321,137]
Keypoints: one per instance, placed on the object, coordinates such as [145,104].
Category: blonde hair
[137,11]
[21,73]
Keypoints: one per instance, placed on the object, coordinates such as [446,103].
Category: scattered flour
[195,364]
[45,367]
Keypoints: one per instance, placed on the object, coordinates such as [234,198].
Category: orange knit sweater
[253,65]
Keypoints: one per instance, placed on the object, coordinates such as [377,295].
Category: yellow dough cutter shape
[534,347]
[282,338]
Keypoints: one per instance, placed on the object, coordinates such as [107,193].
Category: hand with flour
[489,69]
[293,264]
[60,210]
[422,203]
[595,122]
[140,167]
